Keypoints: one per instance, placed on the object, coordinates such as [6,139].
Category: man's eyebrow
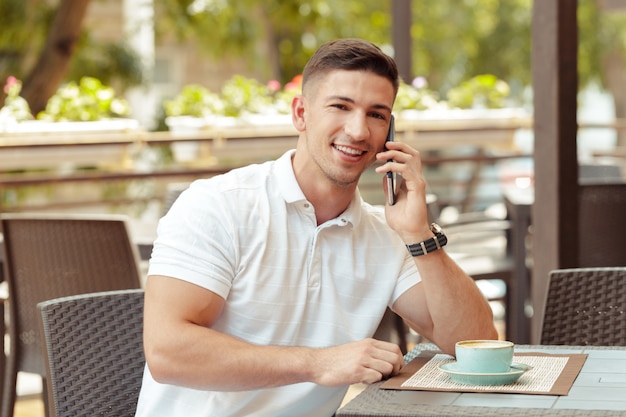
[348,99]
[342,98]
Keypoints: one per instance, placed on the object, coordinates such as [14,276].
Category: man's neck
[328,198]
[330,205]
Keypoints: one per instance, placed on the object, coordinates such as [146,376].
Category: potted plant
[84,106]
[15,109]
[476,107]
[195,108]
[254,103]
[481,91]
[193,102]
[482,96]
[414,98]
[76,107]
[241,101]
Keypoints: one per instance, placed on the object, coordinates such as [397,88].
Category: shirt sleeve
[195,240]
[409,276]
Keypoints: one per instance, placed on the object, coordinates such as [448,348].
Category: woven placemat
[551,374]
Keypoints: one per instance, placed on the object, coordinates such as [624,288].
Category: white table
[599,390]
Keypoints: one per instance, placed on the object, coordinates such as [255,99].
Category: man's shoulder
[253,170]
[373,215]
[374,210]
[240,177]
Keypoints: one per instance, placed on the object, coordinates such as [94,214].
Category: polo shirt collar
[291,192]
[286,179]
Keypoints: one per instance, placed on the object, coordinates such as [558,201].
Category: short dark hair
[353,55]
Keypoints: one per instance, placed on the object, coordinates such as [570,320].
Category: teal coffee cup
[484,356]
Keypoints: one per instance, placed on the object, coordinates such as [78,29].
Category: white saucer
[516,370]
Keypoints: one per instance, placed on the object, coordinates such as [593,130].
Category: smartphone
[391,177]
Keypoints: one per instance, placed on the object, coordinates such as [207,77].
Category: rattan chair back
[94,353]
[602,224]
[585,306]
[48,256]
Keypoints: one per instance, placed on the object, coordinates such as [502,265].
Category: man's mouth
[349,151]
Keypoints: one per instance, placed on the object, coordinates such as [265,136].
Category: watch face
[435,228]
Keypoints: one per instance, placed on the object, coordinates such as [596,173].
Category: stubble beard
[338,176]
[333,171]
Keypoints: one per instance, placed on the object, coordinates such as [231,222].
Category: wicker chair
[47,257]
[586,306]
[602,224]
[94,353]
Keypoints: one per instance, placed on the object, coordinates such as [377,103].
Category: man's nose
[356,126]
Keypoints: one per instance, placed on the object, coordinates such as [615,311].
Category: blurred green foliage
[453,40]
[275,36]
[415,96]
[239,95]
[87,100]
[25,26]
[484,90]
[110,62]
[194,100]
[15,108]
[242,94]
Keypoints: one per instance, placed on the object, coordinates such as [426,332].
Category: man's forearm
[206,359]
[458,309]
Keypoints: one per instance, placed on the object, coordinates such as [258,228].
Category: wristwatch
[430,245]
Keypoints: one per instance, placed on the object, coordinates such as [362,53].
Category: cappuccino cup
[484,356]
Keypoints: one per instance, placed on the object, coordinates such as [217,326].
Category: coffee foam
[484,345]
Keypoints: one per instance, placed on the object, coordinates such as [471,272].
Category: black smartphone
[391,177]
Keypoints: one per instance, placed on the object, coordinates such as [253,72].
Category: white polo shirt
[251,237]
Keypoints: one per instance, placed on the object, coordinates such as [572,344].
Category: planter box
[477,128]
[256,137]
[67,145]
[182,126]
[232,141]
[40,126]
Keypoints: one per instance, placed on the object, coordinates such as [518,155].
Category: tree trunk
[270,44]
[54,60]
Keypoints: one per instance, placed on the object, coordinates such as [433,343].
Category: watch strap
[429,245]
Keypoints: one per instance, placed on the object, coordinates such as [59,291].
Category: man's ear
[297,113]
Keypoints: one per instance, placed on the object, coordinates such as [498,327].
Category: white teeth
[350,151]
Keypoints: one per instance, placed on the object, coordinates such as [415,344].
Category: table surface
[599,390]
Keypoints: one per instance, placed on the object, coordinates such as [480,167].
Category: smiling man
[267,284]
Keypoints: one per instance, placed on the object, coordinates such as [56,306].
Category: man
[266,284]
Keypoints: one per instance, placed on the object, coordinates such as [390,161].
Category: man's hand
[409,216]
[364,361]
